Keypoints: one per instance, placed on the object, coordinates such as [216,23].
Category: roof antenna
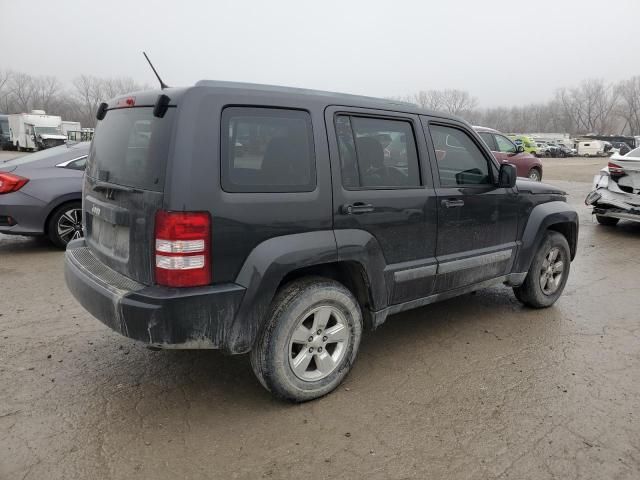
[162,84]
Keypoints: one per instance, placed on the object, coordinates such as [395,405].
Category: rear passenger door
[382,192]
[477,220]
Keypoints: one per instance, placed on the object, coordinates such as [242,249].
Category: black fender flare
[262,272]
[270,261]
[540,219]
[361,247]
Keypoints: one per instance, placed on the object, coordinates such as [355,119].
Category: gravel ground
[475,387]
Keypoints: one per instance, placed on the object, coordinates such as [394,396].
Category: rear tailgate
[124,187]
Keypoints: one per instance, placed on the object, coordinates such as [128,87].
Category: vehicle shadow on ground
[214,383]
[624,229]
[17,244]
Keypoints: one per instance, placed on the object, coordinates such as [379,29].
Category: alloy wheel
[70,225]
[551,271]
[318,343]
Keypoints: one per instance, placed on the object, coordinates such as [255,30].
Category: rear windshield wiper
[102,186]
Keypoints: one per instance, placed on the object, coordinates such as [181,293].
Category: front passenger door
[477,220]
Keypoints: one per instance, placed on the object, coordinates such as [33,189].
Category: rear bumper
[158,316]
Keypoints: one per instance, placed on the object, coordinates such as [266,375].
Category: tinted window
[488,139]
[460,161]
[505,145]
[267,150]
[130,148]
[377,152]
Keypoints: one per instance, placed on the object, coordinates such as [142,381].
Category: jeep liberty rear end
[282,222]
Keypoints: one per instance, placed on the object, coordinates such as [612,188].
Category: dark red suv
[506,151]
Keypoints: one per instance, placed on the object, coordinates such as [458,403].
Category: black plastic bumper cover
[159,316]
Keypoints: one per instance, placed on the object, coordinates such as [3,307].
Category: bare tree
[46,92]
[629,106]
[590,106]
[22,87]
[5,93]
[457,102]
[431,99]
[90,91]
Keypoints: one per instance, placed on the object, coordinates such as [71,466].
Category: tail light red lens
[183,249]
[615,170]
[11,183]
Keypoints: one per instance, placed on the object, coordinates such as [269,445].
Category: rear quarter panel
[241,221]
[52,186]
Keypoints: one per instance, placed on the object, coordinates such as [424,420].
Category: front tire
[310,341]
[535,175]
[548,273]
[608,221]
[65,224]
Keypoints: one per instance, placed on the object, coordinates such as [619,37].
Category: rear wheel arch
[351,274]
[53,207]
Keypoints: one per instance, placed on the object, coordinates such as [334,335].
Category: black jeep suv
[283,222]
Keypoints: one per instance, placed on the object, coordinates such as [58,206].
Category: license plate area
[108,238]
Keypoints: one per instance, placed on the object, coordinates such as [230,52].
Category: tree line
[594,106]
[21,92]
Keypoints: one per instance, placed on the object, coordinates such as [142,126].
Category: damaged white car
[616,190]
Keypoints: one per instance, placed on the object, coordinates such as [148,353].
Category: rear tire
[608,221]
[294,357]
[65,224]
[548,273]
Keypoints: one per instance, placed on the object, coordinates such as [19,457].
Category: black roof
[274,92]
[330,98]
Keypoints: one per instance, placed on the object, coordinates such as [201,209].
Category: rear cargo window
[267,150]
[130,148]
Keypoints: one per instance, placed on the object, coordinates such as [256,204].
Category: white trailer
[68,126]
[590,148]
[35,130]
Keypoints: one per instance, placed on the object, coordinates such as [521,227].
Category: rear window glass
[130,148]
[267,150]
[634,153]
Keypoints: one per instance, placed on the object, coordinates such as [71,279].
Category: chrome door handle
[357,208]
[452,203]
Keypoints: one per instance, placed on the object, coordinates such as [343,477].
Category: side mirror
[507,176]
[519,149]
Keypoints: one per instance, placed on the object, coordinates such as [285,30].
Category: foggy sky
[502,51]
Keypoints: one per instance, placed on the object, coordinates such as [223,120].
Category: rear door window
[267,150]
[377,153]
[130,148]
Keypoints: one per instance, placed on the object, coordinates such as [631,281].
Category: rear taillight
[183,249]
[615,170]
[11,183]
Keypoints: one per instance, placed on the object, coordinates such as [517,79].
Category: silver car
[40,193]
[616,193]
